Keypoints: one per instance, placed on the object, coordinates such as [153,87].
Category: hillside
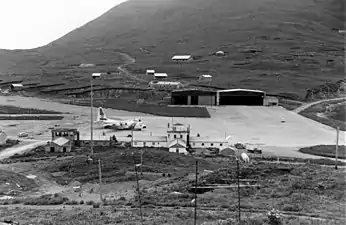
[273,45]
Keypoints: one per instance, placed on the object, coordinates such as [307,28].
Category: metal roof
[17,85]
[181,57]
[160,75]
[151,138]
[208,139]
[96,74]
[61,141]
[177,143]
[249,90]
[150,71]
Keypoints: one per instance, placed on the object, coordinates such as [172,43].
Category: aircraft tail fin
[101,115]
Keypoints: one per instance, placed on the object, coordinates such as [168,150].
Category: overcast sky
[32,23]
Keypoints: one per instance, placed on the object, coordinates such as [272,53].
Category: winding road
[308,105]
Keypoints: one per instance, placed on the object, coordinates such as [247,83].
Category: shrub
[274,217]
[96,205]
[81,202]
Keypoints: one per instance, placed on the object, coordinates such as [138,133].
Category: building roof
[151,138]
[238,89]
[62,129]
[160,75]
[167,83]
[208,139]
[17,85]
[96,74]
[150,71]
[181,57]
[61,141]
[219,52]
[177,143]
[206,75]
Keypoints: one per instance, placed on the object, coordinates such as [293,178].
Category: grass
[115,165]
[9,143]
[159,110]
[31,117]
[333,119]
[8,109]
[13,179]
[325,151]
[289,45]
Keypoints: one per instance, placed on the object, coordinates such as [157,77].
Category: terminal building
[179,139]
[222,97]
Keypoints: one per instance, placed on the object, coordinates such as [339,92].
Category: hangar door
[179,100]
[241,98]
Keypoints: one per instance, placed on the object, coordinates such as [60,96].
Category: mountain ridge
[281,31]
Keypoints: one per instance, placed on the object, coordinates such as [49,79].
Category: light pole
[93,76]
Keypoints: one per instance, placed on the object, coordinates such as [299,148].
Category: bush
[90,202]
[81,202]
[96,205]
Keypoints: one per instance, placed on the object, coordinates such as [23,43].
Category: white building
[150,72]
[205,78]
[166,85]
[16,86]
[160,75]
[182,58]
[219,53]
[178,139]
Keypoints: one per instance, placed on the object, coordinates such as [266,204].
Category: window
[153,143]
[181,136]
[194,144]
[175,136]
[211,144]
[177,150]
[169,135]
[144,143]
[202,144]
[220,144]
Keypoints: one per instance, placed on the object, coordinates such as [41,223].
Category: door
[194,100]
[51,149]
[64,149]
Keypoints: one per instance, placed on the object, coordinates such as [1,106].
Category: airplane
[106,123]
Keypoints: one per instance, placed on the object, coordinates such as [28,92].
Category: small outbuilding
[96,75]
[160,75]
[60,145]
[182,58]
[219,53]
[16,87]
[205,78]
[150,72]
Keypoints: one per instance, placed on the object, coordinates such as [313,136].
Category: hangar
[219,97]
[193,97]
[240,97]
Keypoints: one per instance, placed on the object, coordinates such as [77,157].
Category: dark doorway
[51,149]
[194,100]
[64,149]
[179,100]
[242,100]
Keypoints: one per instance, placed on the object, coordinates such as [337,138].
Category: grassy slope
[13,179]
[335,119]
[280,29]
[7,109]
[325,151]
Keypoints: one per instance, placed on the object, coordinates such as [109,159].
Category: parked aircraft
[106,123]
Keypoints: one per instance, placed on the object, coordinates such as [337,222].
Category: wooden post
[100,181]
[196,183]
[239,217]
[139,193]
[336,147]
[91,118]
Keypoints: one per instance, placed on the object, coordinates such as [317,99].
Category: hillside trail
[130,60]
[308,105]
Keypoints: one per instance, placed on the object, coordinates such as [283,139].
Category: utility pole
[239,218]
[139,194]
[336,147]
[196,183]
[100,181]
[142,161]
[91,118]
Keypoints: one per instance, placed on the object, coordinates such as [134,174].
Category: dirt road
[308,105]
[121,68]
[21,148]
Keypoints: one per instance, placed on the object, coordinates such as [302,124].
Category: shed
[160,75]
[60,145]
[16,86]
[96,75]
[150,72]
[219,53]
[205,77]
[179,58]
